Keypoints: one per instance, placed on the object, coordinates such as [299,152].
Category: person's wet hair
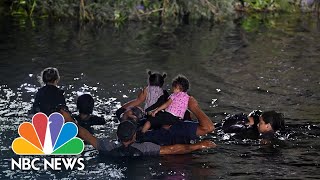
[255,114]
[181,82]
[137,112]
[275,119]
[49,75]
[156,79]
[126,130]
[85,104]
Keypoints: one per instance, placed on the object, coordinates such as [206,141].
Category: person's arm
[186,148]
[162,107]
[205,124]
[82,132]
[139,100]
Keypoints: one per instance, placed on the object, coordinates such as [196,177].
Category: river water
[267,63]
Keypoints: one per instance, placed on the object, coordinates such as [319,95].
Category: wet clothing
[161,100]
[182,132]
[162,118]
[47,99]
[268,135]
[238,124]
[142,118]
[153,94]
[173,113]
[235,123]
[179,104]
[249,132]
[112,148]
[87,124]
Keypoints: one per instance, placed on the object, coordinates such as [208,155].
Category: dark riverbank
[164,11]
[268,62]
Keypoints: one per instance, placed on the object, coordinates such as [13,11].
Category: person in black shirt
[245,126]
[85,104]
[49,96]
[256,125]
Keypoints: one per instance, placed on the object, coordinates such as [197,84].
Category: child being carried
[175,107]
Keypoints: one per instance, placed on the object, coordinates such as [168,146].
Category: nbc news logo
[47,136]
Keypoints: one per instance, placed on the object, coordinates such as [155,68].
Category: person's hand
[206,144]
[133,117]
[154,113]
[66,115]
[264,141]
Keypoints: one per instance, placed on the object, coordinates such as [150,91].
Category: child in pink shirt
[175,107]
[152,96]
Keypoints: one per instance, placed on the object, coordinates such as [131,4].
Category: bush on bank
[139,10]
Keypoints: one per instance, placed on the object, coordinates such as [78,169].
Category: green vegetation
[119,10]
[167,11]
[270,5]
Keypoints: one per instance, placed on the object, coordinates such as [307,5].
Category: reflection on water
[233,67]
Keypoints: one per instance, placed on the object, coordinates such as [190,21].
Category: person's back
[85,104]
[179,104]
[234,123]
[182,132]
[152,96]
[155,94]
[49,96]
[175,107]
[125,151]
[126,146]
[241,122]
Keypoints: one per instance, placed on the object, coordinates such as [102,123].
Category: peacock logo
[47,136]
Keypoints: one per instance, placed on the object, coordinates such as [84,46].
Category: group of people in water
[163,126]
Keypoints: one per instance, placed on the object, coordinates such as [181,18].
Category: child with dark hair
[153,95]
[85,104]
[175,107]
[49,96]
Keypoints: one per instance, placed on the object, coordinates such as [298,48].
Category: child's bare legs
[146,127]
